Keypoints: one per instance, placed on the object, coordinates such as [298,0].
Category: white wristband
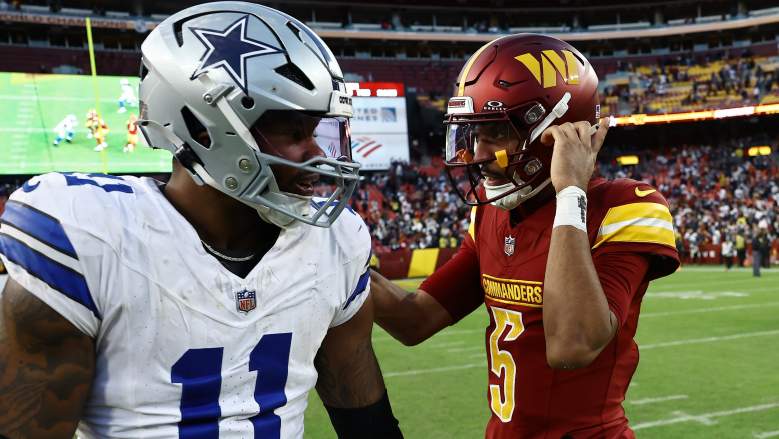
[571,208]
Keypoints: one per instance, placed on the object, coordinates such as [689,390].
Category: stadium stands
[713,192]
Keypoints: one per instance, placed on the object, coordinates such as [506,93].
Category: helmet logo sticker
[551,65]
[229,49]
[494,106]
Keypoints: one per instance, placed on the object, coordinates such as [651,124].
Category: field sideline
[709,365]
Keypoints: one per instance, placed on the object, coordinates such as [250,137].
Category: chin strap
[557,112]
[514,199]
[295,203]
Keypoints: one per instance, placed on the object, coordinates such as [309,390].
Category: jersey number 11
[199,371]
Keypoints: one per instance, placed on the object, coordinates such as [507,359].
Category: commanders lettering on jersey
[513,291]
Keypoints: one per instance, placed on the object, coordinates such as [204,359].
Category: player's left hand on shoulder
[575,151]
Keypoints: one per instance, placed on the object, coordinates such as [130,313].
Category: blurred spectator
[728,251]
[760,247]
[741,248]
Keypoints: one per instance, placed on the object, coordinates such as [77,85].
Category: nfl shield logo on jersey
[245,301]
[508,245]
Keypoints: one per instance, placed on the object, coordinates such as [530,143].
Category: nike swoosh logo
[644,193]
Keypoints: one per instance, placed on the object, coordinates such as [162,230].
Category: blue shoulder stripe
[39,225]
[54,274]
[361,284]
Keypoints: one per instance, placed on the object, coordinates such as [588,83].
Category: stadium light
[722,113]
[627,160]
[759,150]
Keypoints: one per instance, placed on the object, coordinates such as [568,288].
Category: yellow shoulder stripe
[637,222]
[472,225]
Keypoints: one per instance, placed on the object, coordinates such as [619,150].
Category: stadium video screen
[39,108]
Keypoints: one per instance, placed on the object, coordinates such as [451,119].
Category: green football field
[31,106]
[709,368]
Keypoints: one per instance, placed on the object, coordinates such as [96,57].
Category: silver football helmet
[219,67]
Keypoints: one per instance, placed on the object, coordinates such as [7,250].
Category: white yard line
[716,268]
[658,399]
[706,310]
[466,349]
[640,347]
[703,418]
[434,370]
[644,347]
[446,345]
[766,434]
[33,130]
[17,98]
[383,337]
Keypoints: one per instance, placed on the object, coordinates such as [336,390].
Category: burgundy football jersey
[631,234]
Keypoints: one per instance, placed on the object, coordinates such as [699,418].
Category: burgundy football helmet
[507,94]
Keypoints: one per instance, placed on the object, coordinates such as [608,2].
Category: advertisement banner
[377,151]
[379,127]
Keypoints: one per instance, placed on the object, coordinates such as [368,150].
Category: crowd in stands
[716,195]
[409,208]
[684,83]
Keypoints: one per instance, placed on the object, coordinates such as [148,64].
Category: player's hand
[575,152]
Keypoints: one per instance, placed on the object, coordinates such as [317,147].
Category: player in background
[208,306]
[66,129]
[559,260]
[132,134]
[101,134]
[128,97]
[91,123]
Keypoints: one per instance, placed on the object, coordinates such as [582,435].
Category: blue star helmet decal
[229,49]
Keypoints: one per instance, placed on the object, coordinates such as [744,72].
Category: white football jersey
[184,347]
[128,94]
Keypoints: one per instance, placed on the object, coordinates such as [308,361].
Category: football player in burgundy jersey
[559,259]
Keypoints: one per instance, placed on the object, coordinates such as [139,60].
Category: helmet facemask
[507,136]
[331,173]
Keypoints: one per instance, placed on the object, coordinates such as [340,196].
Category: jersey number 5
[199,371]
[502,361]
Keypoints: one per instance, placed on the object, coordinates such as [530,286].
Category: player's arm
[410,317]
[350,383]
[444,298]
[578,323]
[46,368]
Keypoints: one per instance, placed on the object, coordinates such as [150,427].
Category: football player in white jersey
[127,97]
[209,306]
[66,129]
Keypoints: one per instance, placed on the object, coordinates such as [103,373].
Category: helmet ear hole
[197,131]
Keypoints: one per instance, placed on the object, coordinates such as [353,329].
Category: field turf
[32,105]
[709,368]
